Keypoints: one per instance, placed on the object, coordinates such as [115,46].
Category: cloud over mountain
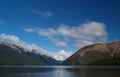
[61,55]
[17,41]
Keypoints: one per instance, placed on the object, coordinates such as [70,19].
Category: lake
[59,71]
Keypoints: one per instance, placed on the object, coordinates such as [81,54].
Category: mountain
[96,54]
[11,54]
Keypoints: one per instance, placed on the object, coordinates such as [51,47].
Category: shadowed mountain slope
[14,55]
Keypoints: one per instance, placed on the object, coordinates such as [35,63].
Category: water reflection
[59,71]
[54,71]
[96,72]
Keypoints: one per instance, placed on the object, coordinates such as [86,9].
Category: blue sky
[59,26]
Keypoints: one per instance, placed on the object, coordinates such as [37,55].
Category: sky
[59,28]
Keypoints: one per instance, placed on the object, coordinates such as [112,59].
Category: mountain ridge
[103,54]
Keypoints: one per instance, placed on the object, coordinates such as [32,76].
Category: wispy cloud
[30,30]
[83,34]
[44,14]
[1,22]
[58,42]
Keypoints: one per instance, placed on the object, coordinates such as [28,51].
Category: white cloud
[62,55]
[83,34]
[45,14]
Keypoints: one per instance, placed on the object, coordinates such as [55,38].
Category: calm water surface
[59,71]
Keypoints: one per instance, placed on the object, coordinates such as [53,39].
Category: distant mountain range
[96,54]
[11,54]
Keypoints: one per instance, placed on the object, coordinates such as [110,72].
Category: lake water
[59,71]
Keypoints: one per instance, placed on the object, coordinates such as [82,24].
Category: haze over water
[59,71]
